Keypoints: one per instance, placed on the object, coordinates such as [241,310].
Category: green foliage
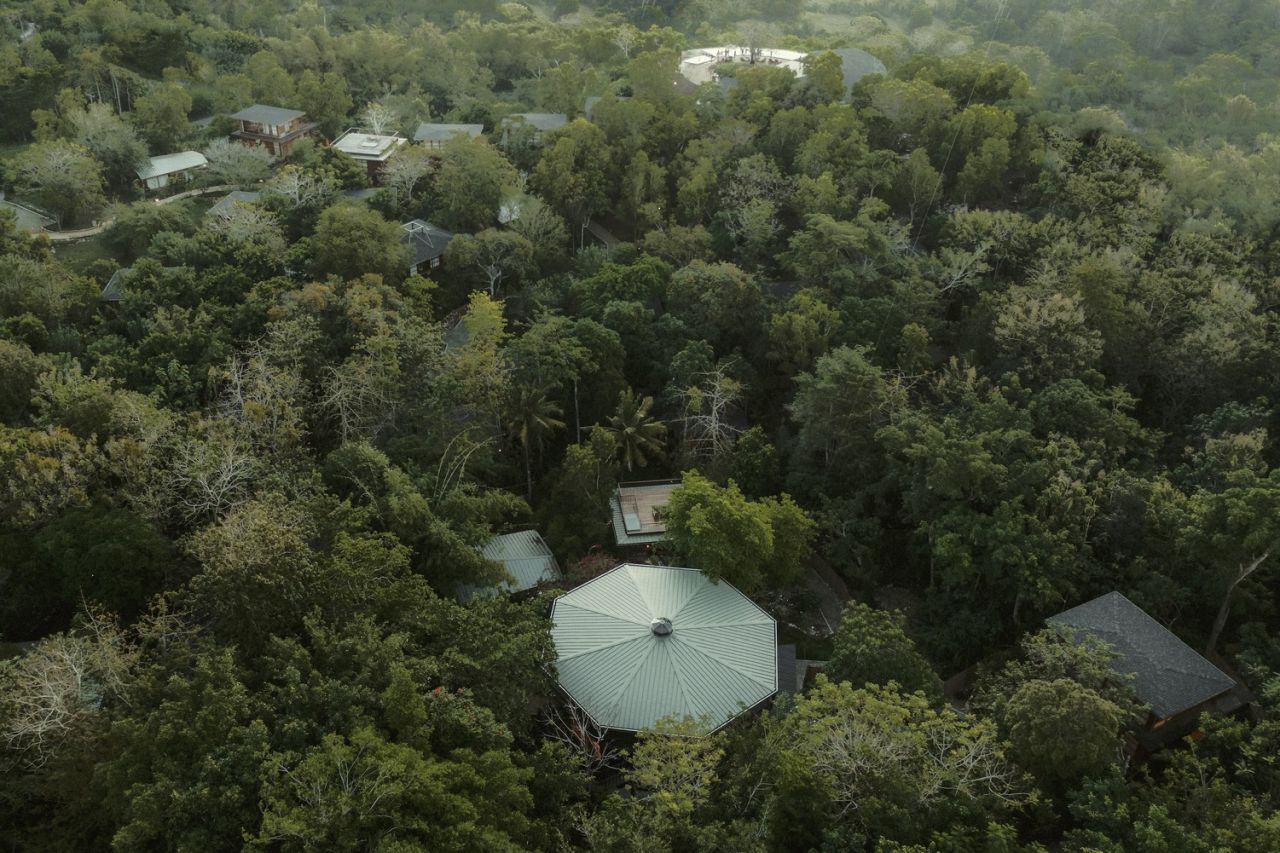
[351,241]
[876,762]
[60,177]
[161,116]
[999,317]
[638,436]
[135,226]
[1063,732]
[871,647]
[469,184]
[751,544]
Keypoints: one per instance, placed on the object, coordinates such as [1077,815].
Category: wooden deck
[641,506]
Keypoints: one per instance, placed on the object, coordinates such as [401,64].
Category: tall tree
[572,173]
[533,418]
[469,184]
[638,435]
[60,177]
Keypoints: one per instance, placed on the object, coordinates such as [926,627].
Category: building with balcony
[274,128]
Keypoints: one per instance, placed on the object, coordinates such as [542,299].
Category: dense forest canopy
[935,353]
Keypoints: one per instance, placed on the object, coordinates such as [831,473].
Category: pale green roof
[718,657]
[526,558]
[28,220]
[168,164]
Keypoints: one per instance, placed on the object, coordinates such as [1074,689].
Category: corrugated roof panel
[578,630]
[599,677]
[666,590]
[619,597]
[526,558]
[167,164]
[714,690]
[626,676]
[724,642]
[711,607]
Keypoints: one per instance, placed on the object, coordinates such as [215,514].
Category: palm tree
[638,434]
[535,417]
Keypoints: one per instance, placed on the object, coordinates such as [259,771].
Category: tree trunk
[528,474]
[577,416]
[1224,610]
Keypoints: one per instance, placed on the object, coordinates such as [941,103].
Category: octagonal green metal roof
[640,643]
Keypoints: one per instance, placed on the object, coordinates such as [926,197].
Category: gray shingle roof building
[225,204]
[427,242]
[263,114]
[856,64]
[542,121]
[1168,675]
[526,558]
[640,643]
[113,291]
[439,134]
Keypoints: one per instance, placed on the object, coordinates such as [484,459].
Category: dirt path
[83,233]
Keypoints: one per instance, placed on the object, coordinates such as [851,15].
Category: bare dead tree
[1224,610]
[407,168]
[56,692]
[248,223]
[588,743]
[210,475]
[378,118]
[704,419]
[360,396]
[264,399]
[626,37]
[958,268]
[300,187]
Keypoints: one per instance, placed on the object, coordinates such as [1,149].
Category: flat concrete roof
[368,146]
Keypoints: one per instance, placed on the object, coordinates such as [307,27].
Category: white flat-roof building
[372,149]
[698,65]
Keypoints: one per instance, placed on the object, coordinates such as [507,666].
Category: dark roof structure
[228,202]
[856,64]
[540,121]
[1168,675]
[114,289]
[426,240]
[263,114]
[787,669]
[430,132]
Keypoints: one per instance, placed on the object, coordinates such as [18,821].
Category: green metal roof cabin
[641,643]
[526,558]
